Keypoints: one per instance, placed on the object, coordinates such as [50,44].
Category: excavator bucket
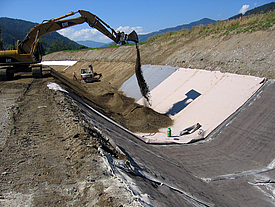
[132,37]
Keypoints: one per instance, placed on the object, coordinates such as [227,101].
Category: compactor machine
[28,51]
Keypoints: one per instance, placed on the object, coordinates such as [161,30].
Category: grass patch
[249,23]
[111,46]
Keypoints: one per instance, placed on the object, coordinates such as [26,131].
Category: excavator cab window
[84,70]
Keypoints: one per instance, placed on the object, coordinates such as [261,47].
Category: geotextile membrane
[193,97]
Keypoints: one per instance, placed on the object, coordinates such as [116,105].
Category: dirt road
[49,153]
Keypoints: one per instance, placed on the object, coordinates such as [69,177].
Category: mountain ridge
[260,9]
[14,29]
[17,29]
[91,43]
[204,21]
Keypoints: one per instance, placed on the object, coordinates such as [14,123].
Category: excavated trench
[239,148]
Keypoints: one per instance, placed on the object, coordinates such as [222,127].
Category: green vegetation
[113,44]
[81,47]
[1,40]
[1,44]
[16,29]
[60,46]
[250,23]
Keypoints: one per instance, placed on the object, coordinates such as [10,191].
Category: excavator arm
[30,42]
[28,51]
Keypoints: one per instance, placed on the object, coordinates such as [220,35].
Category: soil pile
[115,105]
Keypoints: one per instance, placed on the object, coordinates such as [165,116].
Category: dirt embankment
[244,53]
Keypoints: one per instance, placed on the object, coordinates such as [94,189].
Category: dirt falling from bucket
[144,89]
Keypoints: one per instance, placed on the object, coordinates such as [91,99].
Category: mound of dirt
[131,115]
[115,105]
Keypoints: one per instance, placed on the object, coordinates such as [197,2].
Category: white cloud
[128,29]
[94,34]
[244,9]
[83,34]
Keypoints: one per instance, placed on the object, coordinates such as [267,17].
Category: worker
[74,76]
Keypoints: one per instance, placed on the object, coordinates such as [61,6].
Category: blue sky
[142,15]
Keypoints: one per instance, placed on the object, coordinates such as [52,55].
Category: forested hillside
[16,29]
[205,21]
[258,10]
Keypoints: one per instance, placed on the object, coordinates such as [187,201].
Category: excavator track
[5,74]
[37,71]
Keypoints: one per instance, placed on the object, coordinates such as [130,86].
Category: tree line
[16,29]
[1,40]
[59,45]
[55,46]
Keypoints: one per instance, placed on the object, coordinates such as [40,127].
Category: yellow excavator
[28,51]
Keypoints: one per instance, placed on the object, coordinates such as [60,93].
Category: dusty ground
[49,153]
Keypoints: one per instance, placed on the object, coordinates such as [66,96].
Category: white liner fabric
[56,87]
[59,62]
[191,96]
[153,74]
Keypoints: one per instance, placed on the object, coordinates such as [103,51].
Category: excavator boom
[28,50]
[28,45]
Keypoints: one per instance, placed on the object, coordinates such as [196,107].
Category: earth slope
[244,53]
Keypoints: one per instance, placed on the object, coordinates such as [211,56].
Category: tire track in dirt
[50,157]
